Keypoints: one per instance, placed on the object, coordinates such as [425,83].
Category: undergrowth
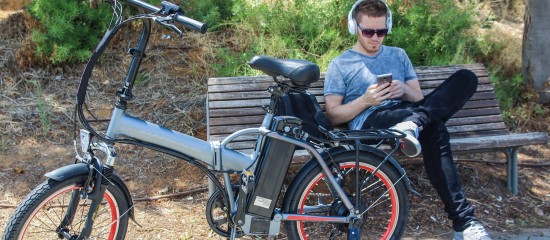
[432,32]
[69,29]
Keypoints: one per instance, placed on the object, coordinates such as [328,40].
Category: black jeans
[431,113]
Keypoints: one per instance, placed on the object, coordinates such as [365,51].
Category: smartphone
[384,78]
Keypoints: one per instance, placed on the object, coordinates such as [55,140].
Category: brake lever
[176,29]
[167,22]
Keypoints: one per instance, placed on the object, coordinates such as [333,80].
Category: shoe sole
[410,146]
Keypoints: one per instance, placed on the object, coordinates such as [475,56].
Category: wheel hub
[339,209]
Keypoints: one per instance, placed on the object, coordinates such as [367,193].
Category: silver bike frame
[123,125]
[215,155]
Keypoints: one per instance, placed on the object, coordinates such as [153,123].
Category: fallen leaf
[18,170]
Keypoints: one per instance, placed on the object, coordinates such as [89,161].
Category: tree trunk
[536,47]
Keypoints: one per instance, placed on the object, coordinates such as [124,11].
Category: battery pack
[270,174]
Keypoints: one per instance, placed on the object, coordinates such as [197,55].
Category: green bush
[70,29]
[433,32]
[303,29]
[317,30]
[213,12]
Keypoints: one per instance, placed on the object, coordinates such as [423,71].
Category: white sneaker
[474,232]
[409,144]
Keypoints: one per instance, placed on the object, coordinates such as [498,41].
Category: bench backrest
[235,103]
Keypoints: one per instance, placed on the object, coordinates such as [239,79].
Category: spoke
[62,210]
[38,232]
[115,221]
[45,228]
[386,192]
[45,212]
[373,184]
[373,206]
[82,219]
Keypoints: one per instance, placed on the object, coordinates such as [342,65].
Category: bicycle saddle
[300,72]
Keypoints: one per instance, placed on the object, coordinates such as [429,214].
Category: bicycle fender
[68,171]
[77,169]
[363,148]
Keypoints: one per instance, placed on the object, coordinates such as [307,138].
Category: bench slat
[488,143]
[471,143]
[253,111]
[240,103]
[254,120]
[261,84]
[227,129]
[502,141]
[420,71]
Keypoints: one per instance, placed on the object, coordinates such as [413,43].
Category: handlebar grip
[185,21]
[192,23]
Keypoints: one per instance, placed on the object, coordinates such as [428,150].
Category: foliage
[304,29]
[508,90]
[433,32]
[212,12]
[70,29]
[44,111]
[317,30]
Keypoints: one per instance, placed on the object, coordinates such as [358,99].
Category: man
[353,95]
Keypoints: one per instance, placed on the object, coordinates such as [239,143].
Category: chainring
[218,216]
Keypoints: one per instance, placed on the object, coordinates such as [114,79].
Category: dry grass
[171,92]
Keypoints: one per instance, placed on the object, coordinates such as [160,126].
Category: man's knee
[436,132]
[467,77]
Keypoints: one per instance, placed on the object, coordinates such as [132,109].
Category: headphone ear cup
[351,20]
[351,26]
[388,18]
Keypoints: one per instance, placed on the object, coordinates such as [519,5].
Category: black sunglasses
[368,33]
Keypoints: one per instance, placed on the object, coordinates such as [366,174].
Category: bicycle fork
[93,189]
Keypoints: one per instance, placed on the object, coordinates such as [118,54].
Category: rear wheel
[42,211]
[384,201]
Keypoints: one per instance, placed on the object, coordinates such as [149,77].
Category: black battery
[269,174]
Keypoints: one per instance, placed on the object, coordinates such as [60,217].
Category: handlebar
[185,21]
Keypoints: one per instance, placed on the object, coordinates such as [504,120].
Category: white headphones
[352,23]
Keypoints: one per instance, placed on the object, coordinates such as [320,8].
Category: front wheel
[40,214]
[384,201]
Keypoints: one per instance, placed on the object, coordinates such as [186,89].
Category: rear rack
[366,134]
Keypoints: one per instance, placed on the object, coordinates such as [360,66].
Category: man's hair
[371,8]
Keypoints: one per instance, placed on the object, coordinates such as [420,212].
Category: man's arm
[339,113]
[409,91]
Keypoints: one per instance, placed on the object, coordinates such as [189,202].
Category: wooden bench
[234,103]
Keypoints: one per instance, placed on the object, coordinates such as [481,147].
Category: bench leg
[512,169]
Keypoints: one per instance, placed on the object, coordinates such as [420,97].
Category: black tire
[40,213]
[387,206]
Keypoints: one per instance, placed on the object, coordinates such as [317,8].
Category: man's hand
[339,113]
[398,89]
[409,91]
[375,94]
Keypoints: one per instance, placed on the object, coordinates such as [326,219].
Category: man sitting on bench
[353,95]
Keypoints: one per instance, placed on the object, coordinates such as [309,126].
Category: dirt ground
[36,107]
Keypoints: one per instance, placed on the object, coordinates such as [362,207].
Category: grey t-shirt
[350,74]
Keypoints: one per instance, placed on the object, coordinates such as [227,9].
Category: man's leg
[444,101]
[441,170]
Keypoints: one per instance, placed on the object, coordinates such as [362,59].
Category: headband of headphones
[352,23]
